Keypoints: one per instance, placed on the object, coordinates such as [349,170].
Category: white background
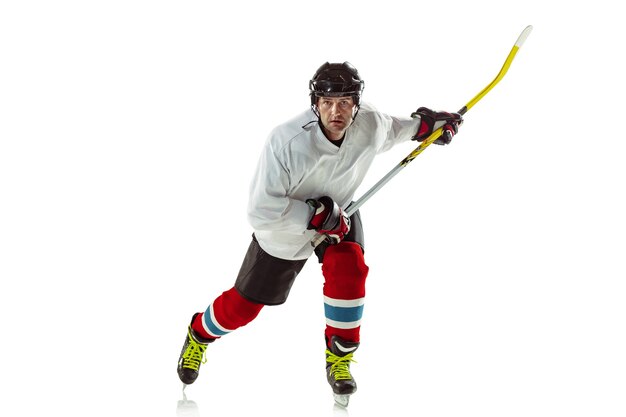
[129,131]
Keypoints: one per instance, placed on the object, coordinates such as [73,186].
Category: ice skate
[338,359]
[192,356]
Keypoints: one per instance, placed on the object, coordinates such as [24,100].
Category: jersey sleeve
[399,130]
[270,208]
[391,130]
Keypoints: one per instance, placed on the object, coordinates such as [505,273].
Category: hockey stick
[352,208]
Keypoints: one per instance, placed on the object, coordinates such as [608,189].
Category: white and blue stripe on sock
[343,314]
[210,324]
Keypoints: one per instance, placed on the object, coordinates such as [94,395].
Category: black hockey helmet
[336,80]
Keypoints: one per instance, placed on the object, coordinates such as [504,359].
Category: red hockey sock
[345,272]
[228,312]
[349,335]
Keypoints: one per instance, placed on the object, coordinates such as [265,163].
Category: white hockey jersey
[298,162]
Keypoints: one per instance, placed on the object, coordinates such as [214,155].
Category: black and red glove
[433,120]
[328,219]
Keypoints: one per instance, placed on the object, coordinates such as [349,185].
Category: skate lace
[194,355]
[340,368]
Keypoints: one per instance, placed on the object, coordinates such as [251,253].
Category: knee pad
[344,271]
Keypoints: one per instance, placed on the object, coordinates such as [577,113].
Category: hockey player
[307,175]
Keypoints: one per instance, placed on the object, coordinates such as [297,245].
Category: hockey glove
[433,120]
[328,219]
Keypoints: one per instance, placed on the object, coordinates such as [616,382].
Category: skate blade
[342,400]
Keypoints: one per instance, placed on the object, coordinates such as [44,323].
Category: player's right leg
[228,312]
[262,280]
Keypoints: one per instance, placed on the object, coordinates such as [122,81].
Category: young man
[307,175]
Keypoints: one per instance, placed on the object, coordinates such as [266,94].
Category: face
[336,114]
